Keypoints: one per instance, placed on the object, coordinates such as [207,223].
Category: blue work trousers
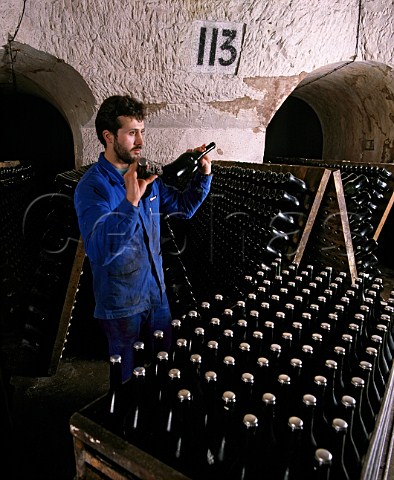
[122,333]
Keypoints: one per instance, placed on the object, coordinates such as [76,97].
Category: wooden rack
[325,236]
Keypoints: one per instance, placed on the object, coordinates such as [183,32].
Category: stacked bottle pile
[250,216]
[367,189]
[45,299]
[179,289]
[17,249]
[364,189]
[284,380]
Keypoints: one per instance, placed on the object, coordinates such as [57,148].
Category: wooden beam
[68,305]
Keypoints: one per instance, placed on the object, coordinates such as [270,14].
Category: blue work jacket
[122,241]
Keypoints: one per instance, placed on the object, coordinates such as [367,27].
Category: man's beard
[124,155]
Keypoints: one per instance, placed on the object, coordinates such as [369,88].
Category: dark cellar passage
[294,131]
[35,132]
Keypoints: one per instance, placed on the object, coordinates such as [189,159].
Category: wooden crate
[100,454]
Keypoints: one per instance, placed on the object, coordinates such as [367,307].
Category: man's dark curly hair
[112,108]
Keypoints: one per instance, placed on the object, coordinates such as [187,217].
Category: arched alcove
[294,131]
[354,103]
[44,103]
[37,134]
[25,70]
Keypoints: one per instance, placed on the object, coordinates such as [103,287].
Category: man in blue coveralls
[119,220]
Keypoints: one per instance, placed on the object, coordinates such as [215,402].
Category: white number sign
[216,47]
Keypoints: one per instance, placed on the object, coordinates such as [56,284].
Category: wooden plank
[117,452]
[69,300]
[312,216]
[381,441]
[345,225]
[384,218]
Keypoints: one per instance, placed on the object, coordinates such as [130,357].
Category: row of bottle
[363,195]
[17,251]
[45,298]
[249,217]
[16,174]
[366,190]
[322,371]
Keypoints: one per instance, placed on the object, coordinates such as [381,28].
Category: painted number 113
[220,39]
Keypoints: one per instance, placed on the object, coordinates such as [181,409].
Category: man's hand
[135,187]
[205,162]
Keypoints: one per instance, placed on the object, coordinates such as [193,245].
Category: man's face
[129,140]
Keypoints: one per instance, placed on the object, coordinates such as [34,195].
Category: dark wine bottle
[246,466]
[114,411]
[322,464]
[339,435]
[290,466]
[134,425]
[352,455]
[226,446]
[186,163]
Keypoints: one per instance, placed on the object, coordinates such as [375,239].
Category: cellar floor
[40,445]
